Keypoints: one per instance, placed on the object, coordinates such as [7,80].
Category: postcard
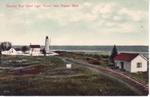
[74,48]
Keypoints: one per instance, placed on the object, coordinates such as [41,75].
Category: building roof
[34,46]
[126,56]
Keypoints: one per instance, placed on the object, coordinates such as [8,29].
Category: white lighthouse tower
[47,50]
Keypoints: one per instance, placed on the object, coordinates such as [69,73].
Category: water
[101,49]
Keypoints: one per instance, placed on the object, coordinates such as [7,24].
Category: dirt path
[133,84]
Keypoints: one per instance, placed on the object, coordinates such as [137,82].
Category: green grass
[141,76]
[79,85]
[102,60]
[96,59]
[55,79]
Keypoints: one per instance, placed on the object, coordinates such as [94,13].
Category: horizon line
[84,45]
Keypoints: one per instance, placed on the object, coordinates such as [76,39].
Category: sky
[88,22]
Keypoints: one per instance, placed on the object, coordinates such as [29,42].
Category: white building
[11,51]
[47,45]
[131,62]
[35,50]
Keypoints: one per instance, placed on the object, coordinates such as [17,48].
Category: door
[122,65]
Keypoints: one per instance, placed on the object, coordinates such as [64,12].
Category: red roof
[126,56]
[35,46]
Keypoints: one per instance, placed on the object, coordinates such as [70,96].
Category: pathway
[136,86]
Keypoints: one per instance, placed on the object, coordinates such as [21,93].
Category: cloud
[117,18]
[2,15]
[135,15]
[95,12]
[98,20]
[87,4]
[103,8]
[127,28]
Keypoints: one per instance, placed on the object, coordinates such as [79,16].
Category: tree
[113,53]
[25,48]
[5,46]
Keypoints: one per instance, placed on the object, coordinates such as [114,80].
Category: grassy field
[141,76]
[49,76]
[103,60]
[96,59]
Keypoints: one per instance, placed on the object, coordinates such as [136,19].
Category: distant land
[121,48]
[135,48]
[100,49]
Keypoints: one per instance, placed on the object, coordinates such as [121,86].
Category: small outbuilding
[131,62]
[35,50]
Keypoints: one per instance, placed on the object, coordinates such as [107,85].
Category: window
[139,65]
